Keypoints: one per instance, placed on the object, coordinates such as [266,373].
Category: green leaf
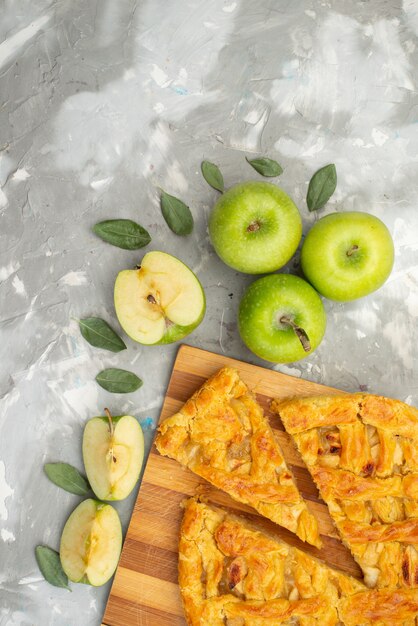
[124,234]
[67,477]
[118,381]
[321,187]
[176,214]
[50,565]
[266,167]
[212,175]
[100,335]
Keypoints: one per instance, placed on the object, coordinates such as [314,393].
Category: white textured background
[101,102]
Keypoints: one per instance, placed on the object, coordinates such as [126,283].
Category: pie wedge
[222,435]
[231,573]
[362,452]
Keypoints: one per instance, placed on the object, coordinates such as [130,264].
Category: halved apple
[113,453]
[159,302]
[91,543]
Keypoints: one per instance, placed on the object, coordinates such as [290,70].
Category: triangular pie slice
[222,434]
[362,452]
[233,574]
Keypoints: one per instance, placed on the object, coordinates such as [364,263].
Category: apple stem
[109,417]
[151,299]
[300,333]
[352,250]
[253,227]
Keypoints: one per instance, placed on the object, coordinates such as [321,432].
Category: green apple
[159,302]
[281,318]
[347,255]
[91,543]
[255,227]
[113,453]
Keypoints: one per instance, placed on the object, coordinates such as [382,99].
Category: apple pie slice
[231,573]
[362,452]
[222,434]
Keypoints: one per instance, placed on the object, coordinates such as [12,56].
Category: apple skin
[255,251]
[341,276]
[263,304]
[160,271]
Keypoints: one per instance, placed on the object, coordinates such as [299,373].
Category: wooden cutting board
[145,591]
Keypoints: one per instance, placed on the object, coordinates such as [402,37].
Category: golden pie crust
[222,434]
[362,452]
[231,573]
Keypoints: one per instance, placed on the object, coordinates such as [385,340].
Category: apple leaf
[266,167]
[67,477]
[118,381]
[50,565]
[124,234]
[321,187]
[176,214]
[212,175]
[100,335]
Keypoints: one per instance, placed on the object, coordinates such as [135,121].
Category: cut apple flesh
[91,543]
[113,460]
[162,292]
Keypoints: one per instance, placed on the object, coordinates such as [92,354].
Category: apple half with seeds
[113,453]
[91,543]
[161,301]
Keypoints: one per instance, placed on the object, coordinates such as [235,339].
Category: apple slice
[159,302]
[91,543]
[113,453]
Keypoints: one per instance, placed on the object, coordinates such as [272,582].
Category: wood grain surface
[145,591]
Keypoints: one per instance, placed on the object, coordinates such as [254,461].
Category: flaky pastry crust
[362,451]
[222,434]
[231,573]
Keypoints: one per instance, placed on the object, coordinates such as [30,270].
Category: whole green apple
[281,318]
[160,301]
[347,255]
[255,227]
